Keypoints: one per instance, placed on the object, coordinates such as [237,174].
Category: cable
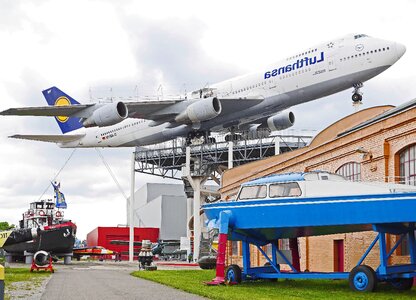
[57,174]
[111,173]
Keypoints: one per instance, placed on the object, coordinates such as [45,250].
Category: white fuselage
[310,74]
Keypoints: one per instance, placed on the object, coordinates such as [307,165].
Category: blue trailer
[289,205]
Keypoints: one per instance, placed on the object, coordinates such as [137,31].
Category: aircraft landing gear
[357,94]
[199,138]
[233,137]
[211,140]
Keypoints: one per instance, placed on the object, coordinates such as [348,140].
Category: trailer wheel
[233,275]
[402,284]
[362,279]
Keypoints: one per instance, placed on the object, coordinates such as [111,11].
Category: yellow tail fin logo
[62,101]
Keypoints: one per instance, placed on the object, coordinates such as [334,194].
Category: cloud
[170,52]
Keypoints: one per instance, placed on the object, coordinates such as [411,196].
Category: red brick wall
[384,139]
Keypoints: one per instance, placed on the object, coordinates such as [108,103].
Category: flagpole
[131,209]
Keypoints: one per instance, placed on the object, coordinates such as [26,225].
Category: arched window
[408,176]
[408,165]
[350,170]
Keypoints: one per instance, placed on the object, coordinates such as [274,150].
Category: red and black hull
[56,239]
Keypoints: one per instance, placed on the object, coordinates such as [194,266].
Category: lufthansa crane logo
[359,47]
[62,101]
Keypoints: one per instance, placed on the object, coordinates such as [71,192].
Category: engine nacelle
[41,258]
[173,133]
[280,121]
[201,110]
[107,115]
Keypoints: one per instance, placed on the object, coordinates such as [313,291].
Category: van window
[253,192]
[287,189]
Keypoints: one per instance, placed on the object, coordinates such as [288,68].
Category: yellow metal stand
[1,282]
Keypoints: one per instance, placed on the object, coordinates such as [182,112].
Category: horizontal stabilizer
[45,110]
[54,138]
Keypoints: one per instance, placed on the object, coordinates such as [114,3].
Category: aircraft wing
[156,110]
[167,110]
[146,109]
[138,109]
[58,138]
[46,110]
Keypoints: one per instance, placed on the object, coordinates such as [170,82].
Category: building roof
[391,112]
[345,124]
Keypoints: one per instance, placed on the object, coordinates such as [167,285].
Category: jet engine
[41,258]
[107,115]
[200,110]
[280,121]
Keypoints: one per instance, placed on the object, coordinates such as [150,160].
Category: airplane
[252,102]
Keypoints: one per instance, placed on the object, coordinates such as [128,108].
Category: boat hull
[268,220]
[56,240]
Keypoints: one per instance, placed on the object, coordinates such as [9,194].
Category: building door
[338,255]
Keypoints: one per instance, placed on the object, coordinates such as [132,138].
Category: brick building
[375,144]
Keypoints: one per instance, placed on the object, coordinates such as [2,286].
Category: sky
[98,49]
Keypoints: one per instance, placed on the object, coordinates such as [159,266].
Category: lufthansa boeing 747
[250,102]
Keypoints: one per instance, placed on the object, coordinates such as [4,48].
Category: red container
[102,236]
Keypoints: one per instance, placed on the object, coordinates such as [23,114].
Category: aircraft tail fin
[56,97]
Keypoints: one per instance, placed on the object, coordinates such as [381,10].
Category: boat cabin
[312,184]
[41,213]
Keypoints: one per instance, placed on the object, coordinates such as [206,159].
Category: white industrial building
[162,206]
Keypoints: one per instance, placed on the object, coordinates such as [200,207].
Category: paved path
[106,282]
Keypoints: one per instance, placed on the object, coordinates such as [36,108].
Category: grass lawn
[22,278]
[192,281]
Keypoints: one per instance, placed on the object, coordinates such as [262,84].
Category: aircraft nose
[400,50]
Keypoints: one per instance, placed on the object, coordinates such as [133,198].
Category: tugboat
[43,227]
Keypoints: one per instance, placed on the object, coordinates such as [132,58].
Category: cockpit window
[358,36]
[253,192]
[287,189]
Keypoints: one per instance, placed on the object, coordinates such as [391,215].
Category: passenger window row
[119,128]
[250,87]
[302,54]
[289,74]
[292,74]
[364,53]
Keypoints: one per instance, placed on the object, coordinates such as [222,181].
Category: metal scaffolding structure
[197,164]
[167,159]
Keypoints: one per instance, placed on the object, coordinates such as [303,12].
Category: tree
[6,226]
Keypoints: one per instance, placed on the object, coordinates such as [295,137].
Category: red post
[220,269]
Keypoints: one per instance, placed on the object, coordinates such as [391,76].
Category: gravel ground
[30,290]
